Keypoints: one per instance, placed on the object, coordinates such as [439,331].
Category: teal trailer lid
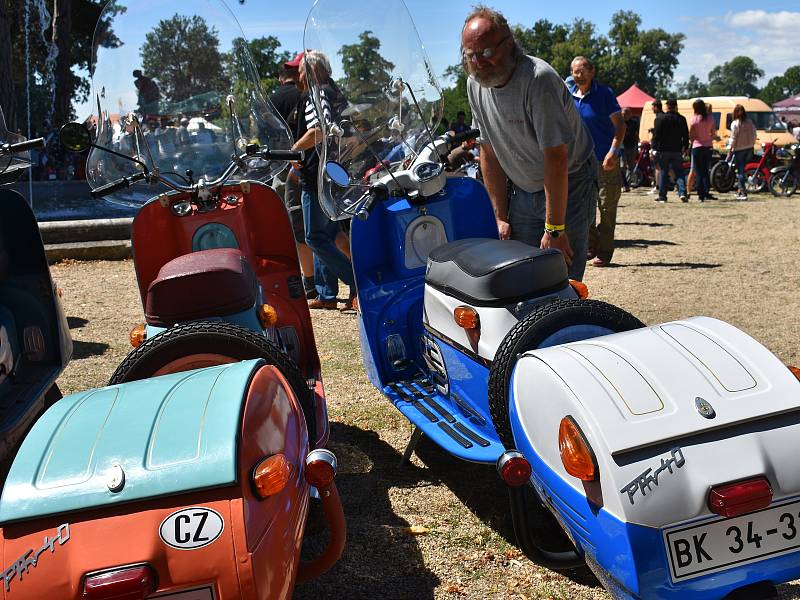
[155,437]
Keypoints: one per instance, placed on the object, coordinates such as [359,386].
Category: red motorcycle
[643,171]
[758,173]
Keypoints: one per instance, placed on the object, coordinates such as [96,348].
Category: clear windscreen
[11,165]
[386,98]
[175,87]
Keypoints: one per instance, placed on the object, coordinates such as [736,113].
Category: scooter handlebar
[284,154]
[464,135]
[25,146]
[119,184]
[377,192]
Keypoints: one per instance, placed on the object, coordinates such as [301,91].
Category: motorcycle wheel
[754,181]
[202,344]
[538,533]
[782,184]
[635,178]
[722,177]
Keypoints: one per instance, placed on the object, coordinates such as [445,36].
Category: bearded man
[532,135]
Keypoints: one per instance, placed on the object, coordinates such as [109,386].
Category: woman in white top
[743,138]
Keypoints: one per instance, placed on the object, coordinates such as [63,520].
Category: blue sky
[715,31]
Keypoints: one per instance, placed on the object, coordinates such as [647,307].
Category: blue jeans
[674,161]
[527,212]
[330,265]
[701,160]
[740,158]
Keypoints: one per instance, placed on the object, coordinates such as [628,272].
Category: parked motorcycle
[609,434]
[642,171]
[35,343]
[783,179]
[757,173]
[205,476]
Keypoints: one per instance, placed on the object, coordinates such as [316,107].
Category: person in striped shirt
[330,263]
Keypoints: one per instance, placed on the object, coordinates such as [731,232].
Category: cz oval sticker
[191,528]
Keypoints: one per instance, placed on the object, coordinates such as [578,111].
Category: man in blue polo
[600,110]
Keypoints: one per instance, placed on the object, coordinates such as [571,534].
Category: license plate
[702,549]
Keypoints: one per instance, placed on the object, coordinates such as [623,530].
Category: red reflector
[734,499]
[514,469]
[132,583]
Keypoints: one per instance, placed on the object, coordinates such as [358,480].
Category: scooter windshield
[175,88]
[374,86]
[11,165]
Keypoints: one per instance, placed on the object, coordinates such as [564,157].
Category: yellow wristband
[551,227]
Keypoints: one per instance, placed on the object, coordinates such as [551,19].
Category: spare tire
[199,344]
[557,322]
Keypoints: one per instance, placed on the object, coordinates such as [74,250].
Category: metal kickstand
[416,435]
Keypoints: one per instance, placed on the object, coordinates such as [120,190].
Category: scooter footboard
[658,448]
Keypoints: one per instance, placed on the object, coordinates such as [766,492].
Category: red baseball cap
[295,62]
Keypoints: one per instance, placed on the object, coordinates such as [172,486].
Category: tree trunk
[62,38]
[7,94]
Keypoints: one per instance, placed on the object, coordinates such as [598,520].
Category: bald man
[532,135]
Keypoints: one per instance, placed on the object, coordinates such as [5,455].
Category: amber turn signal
[466,317]
[271,475]
[137,335]
[576,454]
[795,371]
[580,288]
[267,315]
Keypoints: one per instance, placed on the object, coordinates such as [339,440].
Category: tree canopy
[737,77]
[182,54]
[366,72]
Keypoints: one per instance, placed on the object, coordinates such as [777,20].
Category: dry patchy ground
[733,260]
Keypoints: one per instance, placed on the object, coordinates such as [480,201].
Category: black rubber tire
[723,177]
[757,184]
[216,337]
[783,187]
[531,331]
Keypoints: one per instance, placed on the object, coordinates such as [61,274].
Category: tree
[267,60]
[692,88]
[366,72]
[782,86]
[62,40]
[735,78]
[182,55]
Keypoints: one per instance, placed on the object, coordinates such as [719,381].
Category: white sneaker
[653,191]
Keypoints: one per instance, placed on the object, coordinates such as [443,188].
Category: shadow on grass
[76,322]
[87,349]
[480,489]
[381,559]
[677,266]
[641,243]
[642,224]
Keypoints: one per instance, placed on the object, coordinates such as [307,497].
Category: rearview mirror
[337,173]
[75,137]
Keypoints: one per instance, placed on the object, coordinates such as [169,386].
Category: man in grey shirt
[531,134]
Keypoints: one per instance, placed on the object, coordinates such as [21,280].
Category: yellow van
[768,126]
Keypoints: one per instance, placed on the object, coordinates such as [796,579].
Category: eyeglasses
[486,53]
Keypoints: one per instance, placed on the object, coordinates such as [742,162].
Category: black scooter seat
[489,272]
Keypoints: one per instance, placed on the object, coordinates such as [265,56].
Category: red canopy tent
[789,109]
[634,98]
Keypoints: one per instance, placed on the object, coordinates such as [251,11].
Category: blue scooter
[35,344]
[609,434]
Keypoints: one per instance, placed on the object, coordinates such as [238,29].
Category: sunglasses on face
[486,53]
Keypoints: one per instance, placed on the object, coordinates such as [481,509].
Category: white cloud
[769,38]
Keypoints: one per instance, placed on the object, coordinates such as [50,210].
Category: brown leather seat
[209,283]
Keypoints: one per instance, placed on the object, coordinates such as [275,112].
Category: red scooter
[643,171]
